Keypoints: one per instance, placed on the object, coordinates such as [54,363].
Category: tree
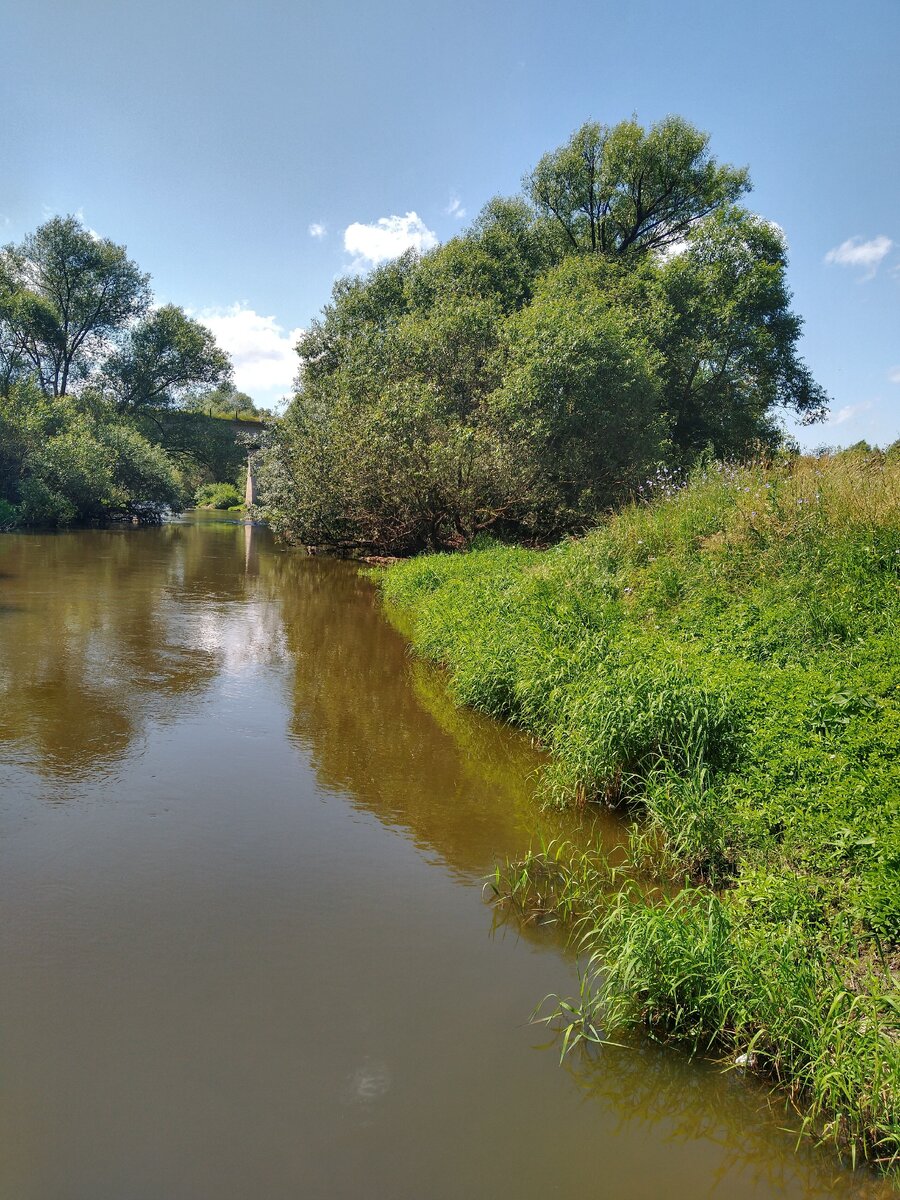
[162,359]
[359,315]
[579,405]
[525,375]
[498,259]
[113,377]
[64,293]
[623,189]
[729,343]
[226,401]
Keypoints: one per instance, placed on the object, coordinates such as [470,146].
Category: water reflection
[104,630]
[239,981]
[147,621]
[380,728]
[90,640]
[678,1102]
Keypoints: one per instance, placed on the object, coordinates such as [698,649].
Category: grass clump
[218,495]
[720,658]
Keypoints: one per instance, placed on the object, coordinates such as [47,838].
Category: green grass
[721,660]
[218,495]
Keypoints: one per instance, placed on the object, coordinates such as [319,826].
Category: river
[244,950]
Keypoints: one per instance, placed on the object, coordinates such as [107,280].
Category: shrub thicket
[70,459]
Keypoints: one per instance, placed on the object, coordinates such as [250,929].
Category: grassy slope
[725,660]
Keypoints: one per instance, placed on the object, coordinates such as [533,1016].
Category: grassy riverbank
[722,659]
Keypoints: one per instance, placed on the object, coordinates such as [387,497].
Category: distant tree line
[227,403]
[101,393]
[624,311]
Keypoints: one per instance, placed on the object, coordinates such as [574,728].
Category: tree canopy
[163,360]
[621,189]
[94,382]
[64,293]
[226,401]
[76,310]
[524,377]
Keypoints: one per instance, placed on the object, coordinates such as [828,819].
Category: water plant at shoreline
[721,660]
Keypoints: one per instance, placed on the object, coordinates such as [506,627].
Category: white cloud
[317,230]
[857,253]
[894,376]
[261,349]
[849,411]
[387,238]
[455,208]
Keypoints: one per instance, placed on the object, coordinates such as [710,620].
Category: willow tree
[525,376]
[729,345]
[619,189]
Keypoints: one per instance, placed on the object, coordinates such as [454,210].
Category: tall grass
[721,659]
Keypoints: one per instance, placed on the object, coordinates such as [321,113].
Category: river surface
[244,950]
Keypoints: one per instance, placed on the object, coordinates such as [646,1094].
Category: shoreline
[721,663]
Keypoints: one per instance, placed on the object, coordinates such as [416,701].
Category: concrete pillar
[250,493]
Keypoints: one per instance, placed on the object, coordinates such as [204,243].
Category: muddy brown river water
[244,950]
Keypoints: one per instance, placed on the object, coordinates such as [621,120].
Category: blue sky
[248,154]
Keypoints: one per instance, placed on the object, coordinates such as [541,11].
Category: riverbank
[723,661]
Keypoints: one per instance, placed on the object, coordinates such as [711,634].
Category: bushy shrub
[68,460]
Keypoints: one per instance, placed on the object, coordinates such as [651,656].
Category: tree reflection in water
[105,630]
